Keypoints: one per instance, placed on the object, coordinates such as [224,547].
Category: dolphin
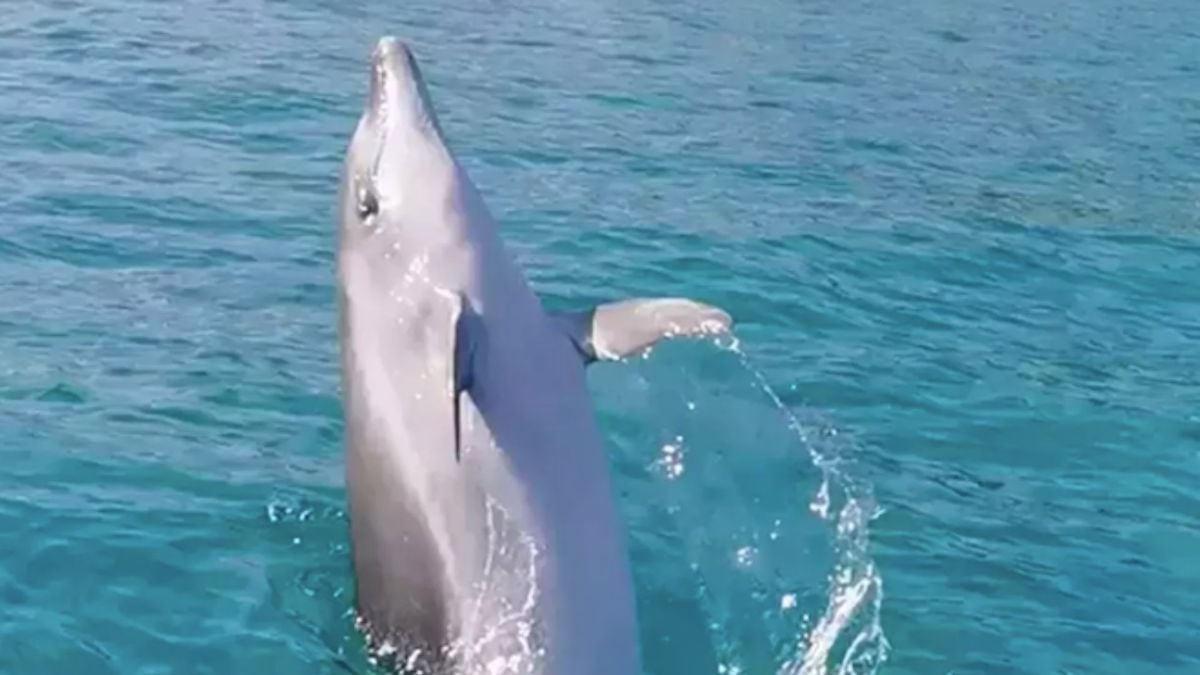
[484,533]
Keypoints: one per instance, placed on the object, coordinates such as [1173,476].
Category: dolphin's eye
[368,204]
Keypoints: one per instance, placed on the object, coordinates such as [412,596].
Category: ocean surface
[958,432]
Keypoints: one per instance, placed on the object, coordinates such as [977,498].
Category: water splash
[852,613]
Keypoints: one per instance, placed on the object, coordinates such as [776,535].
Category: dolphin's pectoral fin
[616,330]
[466,336]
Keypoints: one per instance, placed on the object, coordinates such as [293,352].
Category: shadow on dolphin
[484,533]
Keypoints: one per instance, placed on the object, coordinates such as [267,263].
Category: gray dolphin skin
[484,532]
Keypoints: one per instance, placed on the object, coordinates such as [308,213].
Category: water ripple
[960,245]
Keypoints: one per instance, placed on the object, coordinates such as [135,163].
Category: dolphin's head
[397,156]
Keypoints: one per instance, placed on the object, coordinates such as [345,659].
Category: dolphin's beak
[397,90]
[383,77]
[391,56]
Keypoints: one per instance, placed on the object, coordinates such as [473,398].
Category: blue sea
[958,431]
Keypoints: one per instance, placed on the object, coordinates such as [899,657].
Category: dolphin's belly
[539,415]
[418,522]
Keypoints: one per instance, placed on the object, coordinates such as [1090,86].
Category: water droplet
[820,503]
[672,458]
[746,556]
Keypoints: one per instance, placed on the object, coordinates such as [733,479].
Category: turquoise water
[958,433]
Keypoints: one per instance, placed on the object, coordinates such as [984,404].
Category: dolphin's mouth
[398,92]
[382,79]
[384,94]
[398,119]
